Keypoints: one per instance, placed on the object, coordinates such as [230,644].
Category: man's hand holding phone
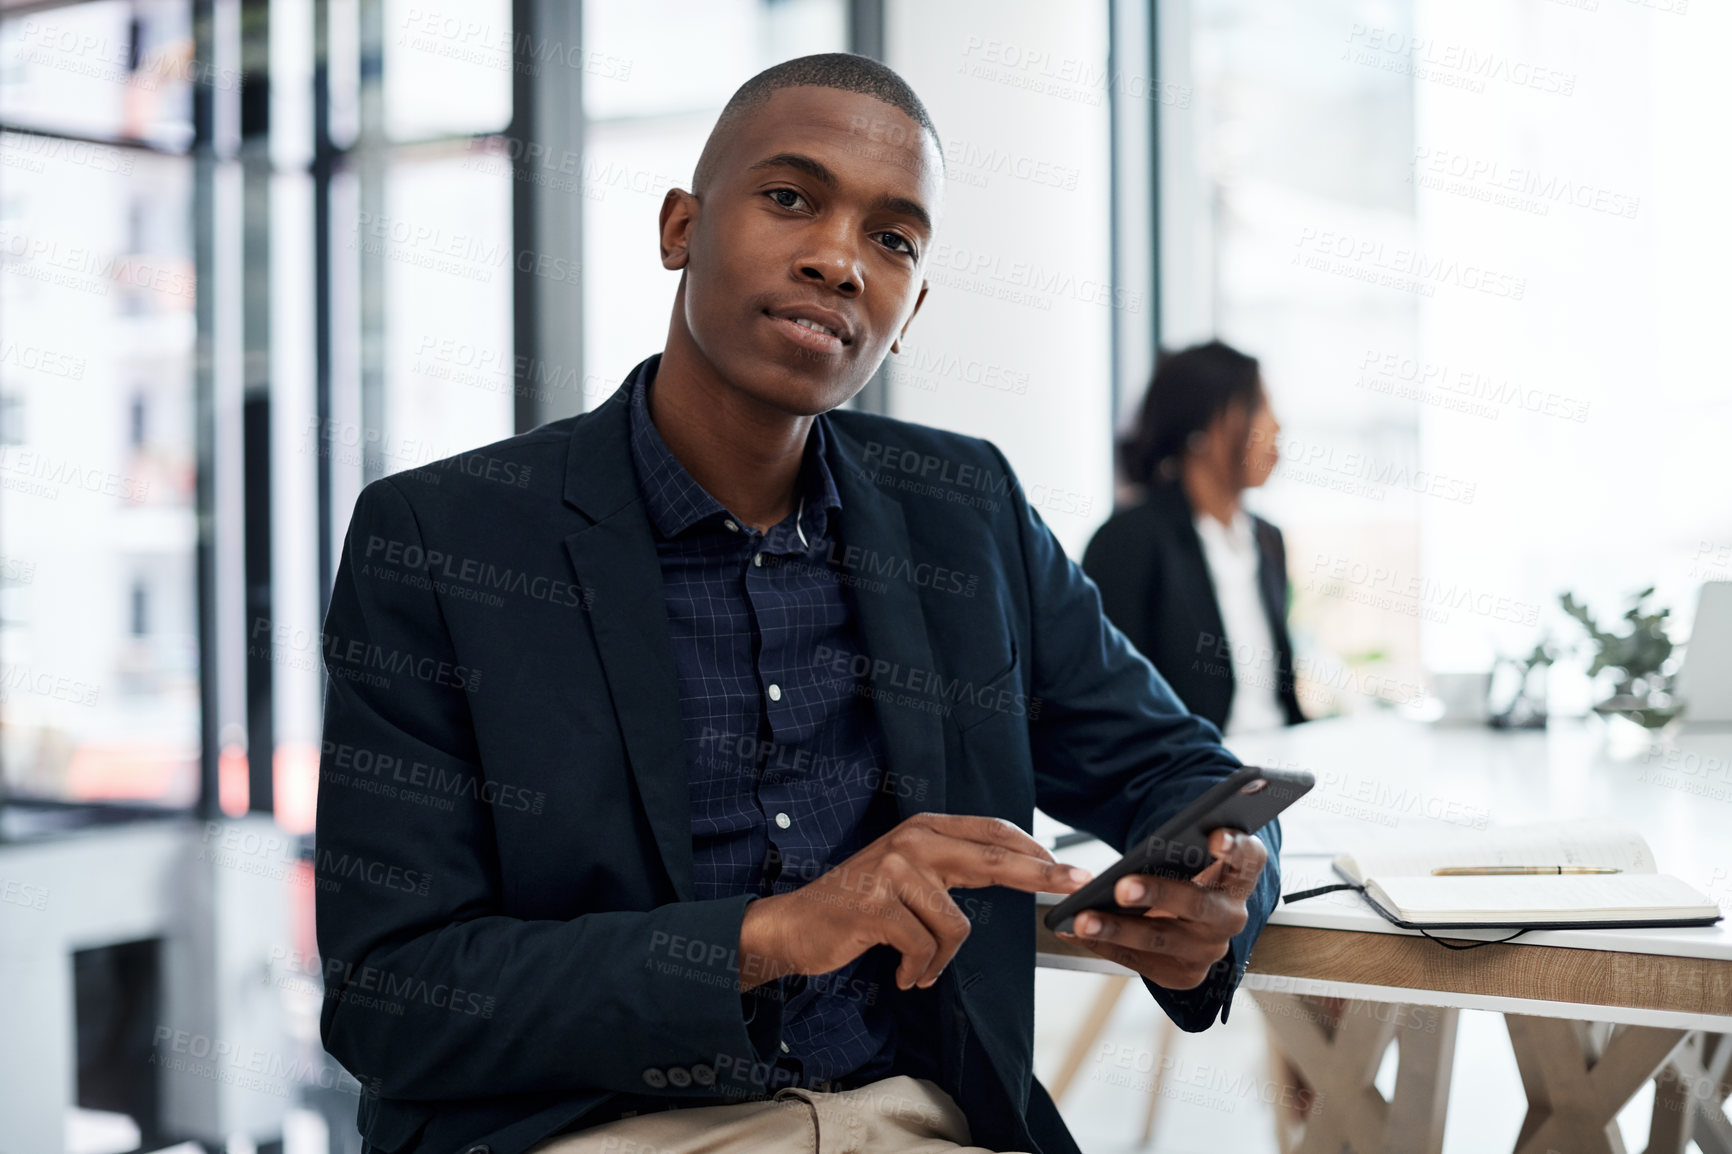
[1186,924]
[894,892]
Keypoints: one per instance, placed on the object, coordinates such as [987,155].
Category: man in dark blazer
[569,871]
[1147,561]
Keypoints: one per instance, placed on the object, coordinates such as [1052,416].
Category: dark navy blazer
[506,917]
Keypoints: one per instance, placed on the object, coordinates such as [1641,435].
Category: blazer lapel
[891,622]
[615,557]
[1271,582]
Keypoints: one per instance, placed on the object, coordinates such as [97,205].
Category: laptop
[1705,677]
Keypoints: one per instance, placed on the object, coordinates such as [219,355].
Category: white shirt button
[758,559]
[784,820]
[775,692]
[731,527]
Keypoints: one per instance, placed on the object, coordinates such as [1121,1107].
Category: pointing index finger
[988,831]
[995,865]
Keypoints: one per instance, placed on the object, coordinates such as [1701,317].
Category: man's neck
[744,454]
[1210,493]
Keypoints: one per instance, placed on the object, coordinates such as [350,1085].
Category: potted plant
[1640,657]
[1516,691]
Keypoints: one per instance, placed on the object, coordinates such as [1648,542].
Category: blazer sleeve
[431,992]
[1115,751]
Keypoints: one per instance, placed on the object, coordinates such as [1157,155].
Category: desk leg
[1688,1097]
[1424,1064]
[1094,1023]
[1576,1082]
[1165,1035]
[1338,1056]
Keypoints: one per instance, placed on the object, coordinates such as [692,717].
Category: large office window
[99,659]
[355,299]
[417,303]
[444,229]
[1281,147]
[1453,233]
[1599,400]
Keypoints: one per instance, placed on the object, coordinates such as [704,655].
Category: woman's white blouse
[1231,553]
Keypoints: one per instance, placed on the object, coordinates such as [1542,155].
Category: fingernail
[1134,890]
[1079,875]
[1088,925]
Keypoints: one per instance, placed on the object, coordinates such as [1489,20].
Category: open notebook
[1399,882]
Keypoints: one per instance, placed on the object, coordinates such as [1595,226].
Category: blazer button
[704,1075]
[479,1148]
[679,1076]
[655,1078]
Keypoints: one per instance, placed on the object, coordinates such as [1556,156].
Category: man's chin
[803,389]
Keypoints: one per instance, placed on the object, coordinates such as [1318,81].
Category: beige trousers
[901,1114]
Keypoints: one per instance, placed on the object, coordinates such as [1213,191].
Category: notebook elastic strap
[1303,894]
[1476,945]
[1320,890]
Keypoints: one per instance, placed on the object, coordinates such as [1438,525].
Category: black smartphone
[1247,800]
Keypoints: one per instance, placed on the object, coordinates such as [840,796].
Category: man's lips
[813,328]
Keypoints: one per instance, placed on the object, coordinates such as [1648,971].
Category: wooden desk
[1661,999]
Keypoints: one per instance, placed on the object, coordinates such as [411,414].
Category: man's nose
[831,260]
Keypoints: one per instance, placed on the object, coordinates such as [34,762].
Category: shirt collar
[1238,535]
[676,502]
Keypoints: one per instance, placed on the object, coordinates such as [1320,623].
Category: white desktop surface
[1378,779]
[1386,777]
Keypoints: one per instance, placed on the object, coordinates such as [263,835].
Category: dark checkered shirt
[784,759]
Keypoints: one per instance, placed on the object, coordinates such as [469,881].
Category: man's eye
[793,198]
[892,239]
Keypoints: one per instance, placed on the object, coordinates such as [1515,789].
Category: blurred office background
[257,253]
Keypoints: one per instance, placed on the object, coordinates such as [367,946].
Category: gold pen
[1492,871]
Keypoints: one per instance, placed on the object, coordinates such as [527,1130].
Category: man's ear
[896,345]
[679,215]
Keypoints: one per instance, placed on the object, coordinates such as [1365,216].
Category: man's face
[819,211]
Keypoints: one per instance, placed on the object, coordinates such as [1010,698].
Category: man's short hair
[840,70]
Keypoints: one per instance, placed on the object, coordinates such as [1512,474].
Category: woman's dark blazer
[1154,581]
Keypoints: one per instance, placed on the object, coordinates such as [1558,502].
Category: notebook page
[1588,841]
[1606,897]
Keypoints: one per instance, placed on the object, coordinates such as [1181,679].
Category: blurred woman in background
[1198,584]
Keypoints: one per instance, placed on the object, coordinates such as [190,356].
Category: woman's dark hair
[1190,389]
